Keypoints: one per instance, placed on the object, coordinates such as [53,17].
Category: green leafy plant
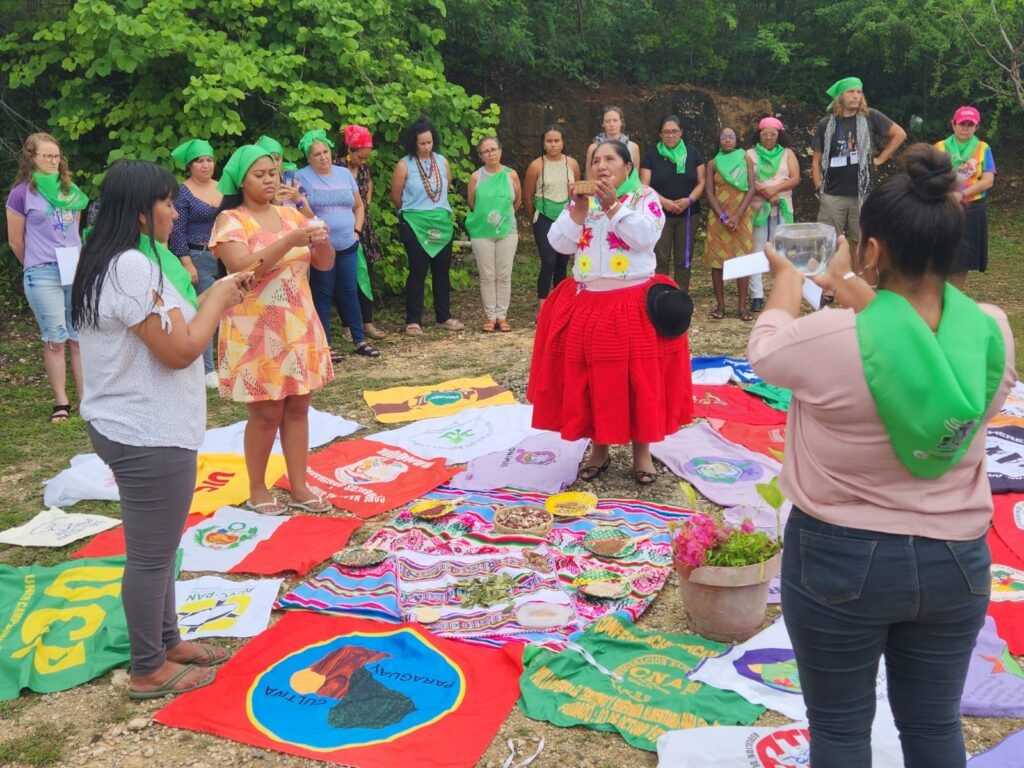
[709,540]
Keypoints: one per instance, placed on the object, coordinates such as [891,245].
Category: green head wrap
[306,142]
[273,146]
[188,151]
[841,86]
[238,165]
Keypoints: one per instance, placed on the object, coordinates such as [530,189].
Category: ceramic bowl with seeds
[571,504]
[523,519]
[428,509]
[609,542]
[360,557]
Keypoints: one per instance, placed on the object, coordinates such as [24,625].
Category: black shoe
[756,305]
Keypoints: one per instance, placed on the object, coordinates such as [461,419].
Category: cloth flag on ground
[777,397]
[1012,412]
[732,403]
[1006,603]
[368,478]
[726,473]
[323,428]
[222,480]
[61,626]
[545,463]
[763,671]
[1006,754]
[111,543]
[769,439]
[631,682]
[357,693]
[738,367]
[1008,520]
[400,404]
[409,583]
[214,607]
[86,478]
[463,436]
[54,527]
[785,746]
[995,680]
[239,541]
[1004,449]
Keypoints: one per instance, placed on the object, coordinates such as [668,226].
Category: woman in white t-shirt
[142,335]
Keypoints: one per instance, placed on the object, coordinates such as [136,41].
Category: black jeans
[850,597]
[419,263]
[552,263]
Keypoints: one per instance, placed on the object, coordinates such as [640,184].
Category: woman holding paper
[143,332]
[272,351]
[885,551]
[43,211]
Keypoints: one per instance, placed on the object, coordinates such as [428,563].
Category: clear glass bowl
[808,247]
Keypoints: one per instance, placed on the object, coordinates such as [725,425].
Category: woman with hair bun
[885,551]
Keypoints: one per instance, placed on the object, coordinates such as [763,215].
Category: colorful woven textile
[401,404]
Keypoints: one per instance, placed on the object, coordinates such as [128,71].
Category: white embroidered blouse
[621,247]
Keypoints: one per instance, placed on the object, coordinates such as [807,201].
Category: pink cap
[967,115]
[770,122]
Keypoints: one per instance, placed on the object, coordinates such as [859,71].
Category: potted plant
[724,571]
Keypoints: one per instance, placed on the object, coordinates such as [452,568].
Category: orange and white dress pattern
[272,345]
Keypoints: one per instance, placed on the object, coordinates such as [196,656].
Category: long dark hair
[420,125]
[131,187]
[916,214]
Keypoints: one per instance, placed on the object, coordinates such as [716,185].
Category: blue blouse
[194,223]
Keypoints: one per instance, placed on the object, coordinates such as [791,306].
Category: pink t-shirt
[839,464]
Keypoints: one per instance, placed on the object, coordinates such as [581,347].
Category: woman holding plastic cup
[272,351]
[976,173]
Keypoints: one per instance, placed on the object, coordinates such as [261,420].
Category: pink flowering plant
[709,539]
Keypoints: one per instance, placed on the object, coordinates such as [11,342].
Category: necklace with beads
[430,178]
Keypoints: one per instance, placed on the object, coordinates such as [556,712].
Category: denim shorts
[50,302]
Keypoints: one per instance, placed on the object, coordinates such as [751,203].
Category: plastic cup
[808,247]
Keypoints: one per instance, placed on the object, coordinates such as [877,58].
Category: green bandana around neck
[842,86]
[931,389]
[238,165]
[306,142]
[171,266]
[188,151]
[960,153]
[48,185]
[433,228]
[768,160]
[676,154]
[492,217]
[273,146]
[363,274]
[733,167]
[631,184]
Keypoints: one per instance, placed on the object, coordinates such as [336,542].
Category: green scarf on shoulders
[171,266]
[733,167]
[676,154]
[630,184]
[960,153]
[48,185]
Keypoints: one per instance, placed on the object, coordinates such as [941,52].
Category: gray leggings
[156,486]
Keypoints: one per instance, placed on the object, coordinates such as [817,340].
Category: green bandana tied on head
[492,217]
[306,142]
[676,154]
[960,153]
[768,162]
[48,185]
[931,389]
[188,151]
[238,165]
[733,167]
[842,86]
[273,146]
[171,266]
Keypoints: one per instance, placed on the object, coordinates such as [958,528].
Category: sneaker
[212,380]
[451,324]
[756,305]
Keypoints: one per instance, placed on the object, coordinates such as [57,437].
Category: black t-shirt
[843,161]
[667,183]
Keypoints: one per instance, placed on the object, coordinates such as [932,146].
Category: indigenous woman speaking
[197,202]
[546,194]
[358,148]
[976,173]
[272,349]
[611,360]
[494,196]
[419,190]
[885,551]
[730,231]
[143,332]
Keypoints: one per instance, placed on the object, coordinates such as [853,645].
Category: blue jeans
[851,596]
[50,302]
[206,266]
[339,284]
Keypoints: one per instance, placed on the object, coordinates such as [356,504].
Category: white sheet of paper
[812,293]
[745,266]
[67,263]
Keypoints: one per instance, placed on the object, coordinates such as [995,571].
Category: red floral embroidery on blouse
[585,237]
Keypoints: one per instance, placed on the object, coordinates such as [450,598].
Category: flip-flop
[317,505]
[718,314]
[591,472]
[207,656]
[745,316]
[268,508]
[168,689]
[60,413]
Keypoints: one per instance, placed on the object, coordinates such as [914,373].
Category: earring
[878,277]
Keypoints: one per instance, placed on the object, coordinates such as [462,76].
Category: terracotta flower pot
[727,603]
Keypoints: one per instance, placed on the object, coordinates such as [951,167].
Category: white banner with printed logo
[54,527]
[323,428]
[214,607]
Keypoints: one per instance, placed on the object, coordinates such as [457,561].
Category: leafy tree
[995,29]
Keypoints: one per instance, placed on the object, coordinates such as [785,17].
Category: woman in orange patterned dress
[272,350]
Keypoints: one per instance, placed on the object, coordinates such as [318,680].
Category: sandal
[718,314]
[168,689]
[60,413]
[317,505]
[745,316]
[503,326]
[643,477]
[366,350]
[488,327]
[591,472]
[207,657]
[268,508]
[373,332]
[336,357]
[413,329]
[451,324]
